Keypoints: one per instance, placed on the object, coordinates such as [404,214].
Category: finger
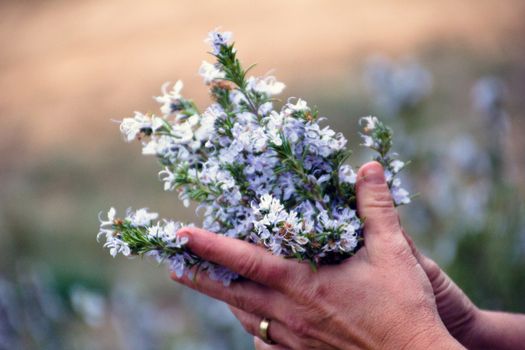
[419,257]
[432,270]
[435,275]
[277,331]
[375,206]
[260,345]
[245,295]
[246,259]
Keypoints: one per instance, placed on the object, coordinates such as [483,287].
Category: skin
[474,328]
[381,298]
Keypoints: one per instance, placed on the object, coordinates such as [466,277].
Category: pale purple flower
[177,264]
[265,108]
[116,246]
[273,178]
[218,39]
[347,174]
[400,195]
[222,274]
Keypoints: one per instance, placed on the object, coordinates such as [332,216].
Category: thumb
[375,206]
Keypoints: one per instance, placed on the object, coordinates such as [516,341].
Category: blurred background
[447,76]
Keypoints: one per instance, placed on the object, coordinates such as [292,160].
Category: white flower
[106,226]
[368,141]
[299,106]
[155,231]
[158,146]
[141,217]
[209,72]
[396,165]
[241,150]
[268,203]
[348,242]
[400,195]
[116,246]
[131,127]
[113,241]
[111,218]
[237,98]
[170,99]
[326,222]
[265,108]
[183,132]
[267,85]
[388,175]
[168,178]
[323,178]
[370,123]
[170,235]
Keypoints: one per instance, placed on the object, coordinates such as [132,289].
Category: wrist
[435,338]
[477,334]
[498,330]
[422,334]
[468,329]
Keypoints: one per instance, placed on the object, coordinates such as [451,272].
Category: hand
[260,345]
[473,327]
[458,313]
[379,298]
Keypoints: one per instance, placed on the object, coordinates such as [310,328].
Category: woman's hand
[379,298]
[458,313]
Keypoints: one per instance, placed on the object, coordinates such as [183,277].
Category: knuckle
[432,269]
[381,199]
[247,304]
[295,278]
[249,266]
[298,326]
[400,251]
[311,294]
[240,302]
[387,215]
[280,274]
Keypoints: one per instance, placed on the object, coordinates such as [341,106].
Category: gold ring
[263,331]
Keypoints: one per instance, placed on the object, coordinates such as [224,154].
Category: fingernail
[183,233]
[374,174]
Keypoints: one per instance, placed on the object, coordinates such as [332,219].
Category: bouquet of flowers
[274,178]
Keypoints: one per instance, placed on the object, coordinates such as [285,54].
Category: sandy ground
[66,67]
